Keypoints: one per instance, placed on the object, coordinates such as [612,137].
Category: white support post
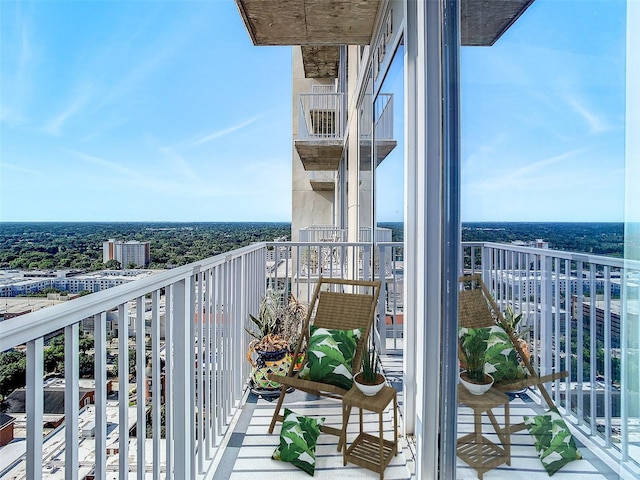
[169,374]
[546,316]
[100,399]
[141,394]
[156,387]
[409,382]
[202,364]
[210,361]
[183,360]
[71,401]
[35,407]
[437,198]
[123,390]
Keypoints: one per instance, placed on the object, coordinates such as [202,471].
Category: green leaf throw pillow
[298,439]
[554,443]
[330,356]
[500,358]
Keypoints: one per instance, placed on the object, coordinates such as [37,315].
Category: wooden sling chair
[336,304]
[478,309]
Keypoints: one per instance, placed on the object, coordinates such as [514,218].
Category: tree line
[78,246]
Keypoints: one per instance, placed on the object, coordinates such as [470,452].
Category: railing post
[546,315]
[123,391]
[35,407]
[71,401]
[183,362]
[100,399]
[169,370]
[141,426]
[156,370]
[486,266]
[382,299]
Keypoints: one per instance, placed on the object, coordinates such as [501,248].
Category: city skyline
[165,111]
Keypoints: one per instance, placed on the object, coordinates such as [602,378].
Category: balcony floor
[525,464]
[248,454]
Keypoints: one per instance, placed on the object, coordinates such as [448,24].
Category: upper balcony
[321,136]
[192,397]
[321,123]
[377,130]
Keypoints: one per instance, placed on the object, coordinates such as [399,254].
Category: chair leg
[283,392]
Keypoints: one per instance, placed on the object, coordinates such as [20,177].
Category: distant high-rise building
[127,253]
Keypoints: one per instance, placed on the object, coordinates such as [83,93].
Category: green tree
[112,264]
[13,371]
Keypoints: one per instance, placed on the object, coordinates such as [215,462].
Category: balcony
[320,130]
[206,304]
[382,128]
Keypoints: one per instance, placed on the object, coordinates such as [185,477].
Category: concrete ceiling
[309,22]
[320,61]
[320,155]
[351,22]
[482,22]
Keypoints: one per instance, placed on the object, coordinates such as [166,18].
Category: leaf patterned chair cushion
[298,439]
[554,443]
[501,361]
[330,356]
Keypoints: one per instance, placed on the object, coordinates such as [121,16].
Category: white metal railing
[205,372]
[206,304]
[297,267]
[579,307]
[383,109]
[320,116]
[201,342]
[378,119]
[322,233]
[329,233]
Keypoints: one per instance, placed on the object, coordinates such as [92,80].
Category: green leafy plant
[513,321]
[369,367]
[473,349]
[278,323]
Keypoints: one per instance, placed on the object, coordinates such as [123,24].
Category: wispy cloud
[163,183]
[18,168]
[183,166]
[525,175]
[108,164]
[595,122]
[221,133]
[25,53]
[54,126]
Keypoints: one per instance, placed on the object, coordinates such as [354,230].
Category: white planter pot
[369,390]
[475,388]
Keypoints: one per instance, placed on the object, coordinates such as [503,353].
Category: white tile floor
[254,456]
[249,452]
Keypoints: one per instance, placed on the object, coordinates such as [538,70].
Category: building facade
[129,253]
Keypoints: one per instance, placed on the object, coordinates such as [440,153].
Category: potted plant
[472,349]
[369,380]
[513,321]
[278,330]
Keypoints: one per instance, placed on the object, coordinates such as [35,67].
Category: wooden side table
[475,449]
[370,451]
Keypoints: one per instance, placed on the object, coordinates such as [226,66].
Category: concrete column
[353,156]
[308,206]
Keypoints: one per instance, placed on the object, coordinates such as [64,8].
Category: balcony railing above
[321,123]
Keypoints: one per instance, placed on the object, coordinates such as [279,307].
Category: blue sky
[543,116]
[141,111]
[154,110]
